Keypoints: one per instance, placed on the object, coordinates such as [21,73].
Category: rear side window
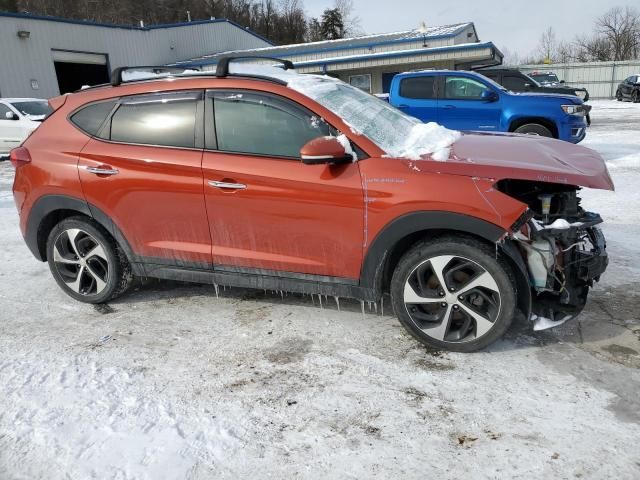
[90,118]
[515,84]
[166,120]
[263,124]
[418,87]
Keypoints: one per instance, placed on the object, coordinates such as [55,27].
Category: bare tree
[621,27]
[547,45]
[350,21]
[510,57]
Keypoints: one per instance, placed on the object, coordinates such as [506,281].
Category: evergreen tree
[332,25]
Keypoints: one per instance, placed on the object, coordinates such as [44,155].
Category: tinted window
[263,124]
[33,108]
[418,87]
[463,88]
[90,118]
[515,84]
[167,120]
[3,111]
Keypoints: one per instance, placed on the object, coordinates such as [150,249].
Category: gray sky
[514,24]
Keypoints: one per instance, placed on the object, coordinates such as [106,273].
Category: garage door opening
[76,69]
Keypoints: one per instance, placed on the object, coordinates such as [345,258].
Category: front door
[145,173]
[267,210]
[461,106]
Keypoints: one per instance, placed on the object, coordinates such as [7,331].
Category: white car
[18,118]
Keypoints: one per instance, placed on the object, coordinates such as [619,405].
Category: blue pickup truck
[469,101]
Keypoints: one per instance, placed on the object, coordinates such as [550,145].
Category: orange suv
[256,176]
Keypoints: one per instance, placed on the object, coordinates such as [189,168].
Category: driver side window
[463,88]
[262,124]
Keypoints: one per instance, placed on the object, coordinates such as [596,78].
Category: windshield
[545,77]
[386,126]
[33,108]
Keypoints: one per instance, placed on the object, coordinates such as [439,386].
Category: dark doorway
[72,76]
[386,81]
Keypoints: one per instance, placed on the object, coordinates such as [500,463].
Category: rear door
[143,168]
[416,95]
[267,210]
[461,106]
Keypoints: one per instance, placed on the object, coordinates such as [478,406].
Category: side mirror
[489,96]
[527,85]
[561,81]
[11,116]
[323,150]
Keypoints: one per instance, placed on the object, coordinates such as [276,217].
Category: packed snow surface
[171,382]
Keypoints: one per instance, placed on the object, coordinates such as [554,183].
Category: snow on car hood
[524,157]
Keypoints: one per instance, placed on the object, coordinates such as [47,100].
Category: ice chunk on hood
[429,139]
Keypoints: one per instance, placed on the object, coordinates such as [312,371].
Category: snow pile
[429,139]
[344,141]
[131,75]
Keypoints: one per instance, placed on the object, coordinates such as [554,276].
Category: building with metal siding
[371,61]
[35,50]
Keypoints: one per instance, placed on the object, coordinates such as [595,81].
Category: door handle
[102,170]
[227,185]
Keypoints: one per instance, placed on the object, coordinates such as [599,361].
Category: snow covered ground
[171,382]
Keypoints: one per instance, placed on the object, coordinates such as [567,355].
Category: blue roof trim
[334,49]
[375,56]
[73,21]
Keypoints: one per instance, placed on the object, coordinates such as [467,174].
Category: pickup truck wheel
[86,262]
[454,294]
[534,129]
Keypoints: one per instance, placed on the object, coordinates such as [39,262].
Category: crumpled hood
[524,157]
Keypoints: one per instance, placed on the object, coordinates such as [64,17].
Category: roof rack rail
[153,70]
[222,68]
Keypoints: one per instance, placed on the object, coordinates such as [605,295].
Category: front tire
[619,95]
[86,261]
[454,293]
[534,129]
[636,96]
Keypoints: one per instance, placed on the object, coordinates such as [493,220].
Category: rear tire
[473,308]
[86,261]
[534,129]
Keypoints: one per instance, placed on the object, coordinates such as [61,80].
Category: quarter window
[91,117]
[263,124]
[166,120]
[418,87]
[463,88]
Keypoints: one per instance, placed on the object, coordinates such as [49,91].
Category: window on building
[515,84]
[463,88]
[363,82]
[91,117]
[263,124]
[418,87]
[167,120]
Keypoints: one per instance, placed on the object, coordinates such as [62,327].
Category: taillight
[20,156]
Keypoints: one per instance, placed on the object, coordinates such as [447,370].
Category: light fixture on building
[24,34]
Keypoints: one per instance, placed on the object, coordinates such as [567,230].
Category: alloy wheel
[81,262]
[452,299]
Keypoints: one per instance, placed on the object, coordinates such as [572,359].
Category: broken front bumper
[580,259]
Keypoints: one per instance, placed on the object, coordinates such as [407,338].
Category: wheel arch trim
[49,204]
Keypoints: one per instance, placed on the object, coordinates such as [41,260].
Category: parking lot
[173,381]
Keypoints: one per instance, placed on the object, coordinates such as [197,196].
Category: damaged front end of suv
[562,246]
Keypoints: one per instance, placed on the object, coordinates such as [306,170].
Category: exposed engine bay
[564,250]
